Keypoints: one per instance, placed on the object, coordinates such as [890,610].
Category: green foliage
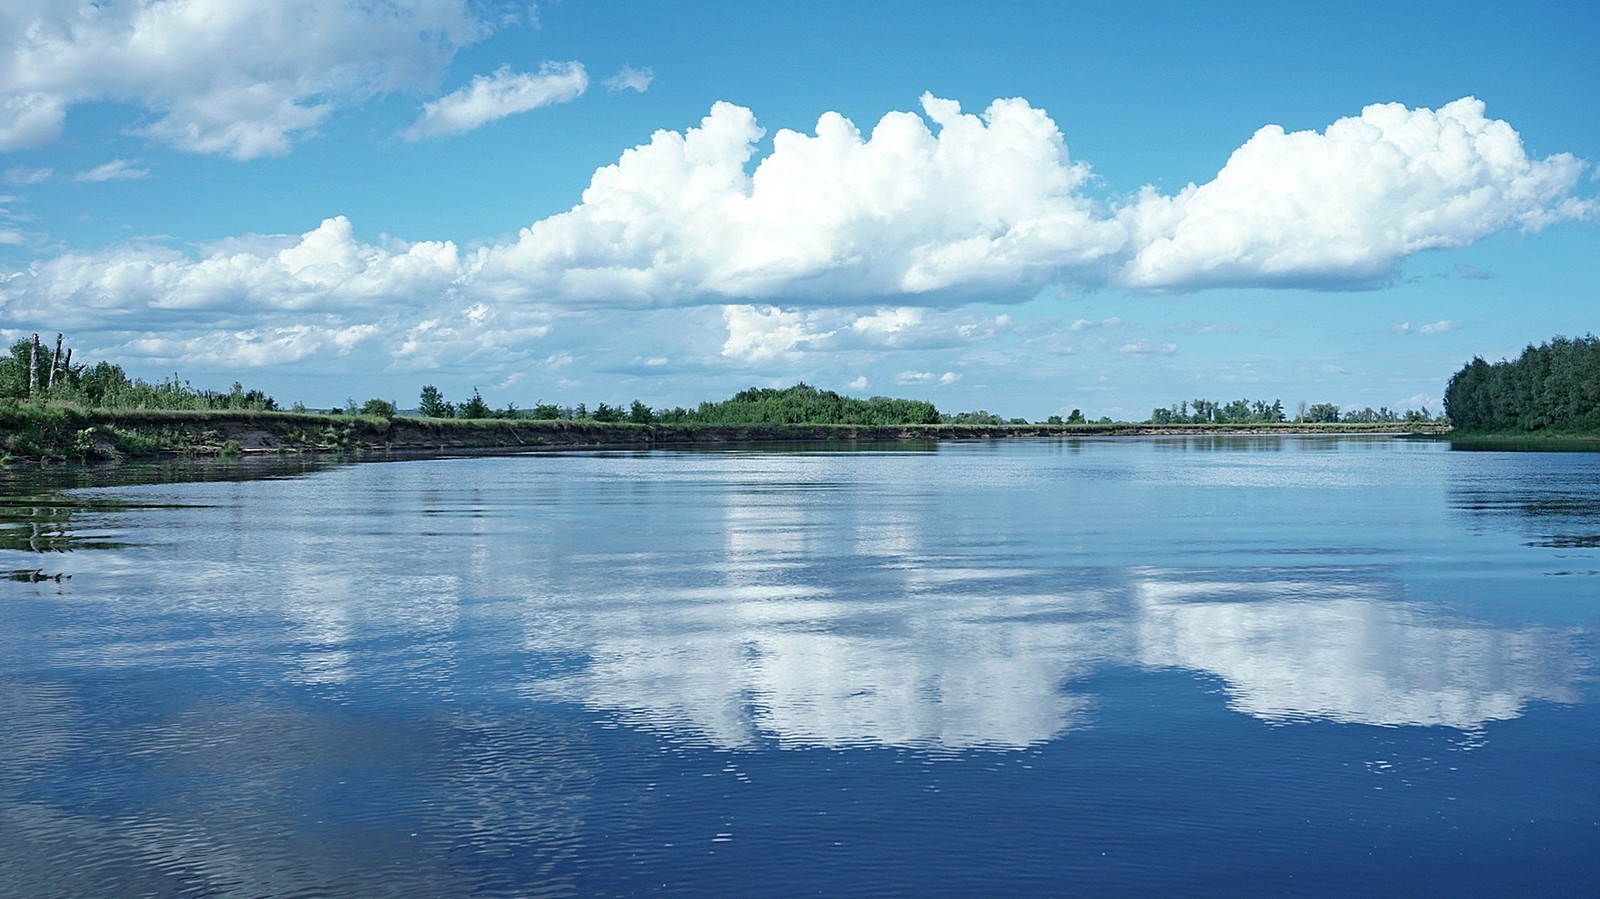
[379,408]
[640,414]
[804,404]
[1385,415]
[433,404]
[980,417]
[1321,413]
[1236,412]
[475,407]
[105,385]
[1554,385]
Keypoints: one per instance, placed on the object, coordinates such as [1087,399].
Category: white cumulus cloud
[237,77]
[764,333]
[966,204]
[837,240]
[945,207]
[505,93]
[1343,207]
[889,322]
[324,270]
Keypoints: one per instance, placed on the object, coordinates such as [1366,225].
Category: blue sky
[1025,207]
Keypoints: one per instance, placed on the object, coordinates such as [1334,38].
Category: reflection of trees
[39,515]
[1556,506]
[45,524]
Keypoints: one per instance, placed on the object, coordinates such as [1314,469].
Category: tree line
[32,370]
[1551,383]
[432,404]
[800,404]
[1249,412]
[1555,385]
[805,404]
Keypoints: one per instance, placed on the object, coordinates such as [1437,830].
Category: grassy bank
[1543,440]
[51,431]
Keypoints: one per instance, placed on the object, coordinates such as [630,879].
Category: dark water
[1178,666]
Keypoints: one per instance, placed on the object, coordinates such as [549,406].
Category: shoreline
[63,433]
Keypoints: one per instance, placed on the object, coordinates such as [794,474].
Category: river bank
[66,432]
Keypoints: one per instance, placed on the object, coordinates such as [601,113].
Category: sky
[1025,208]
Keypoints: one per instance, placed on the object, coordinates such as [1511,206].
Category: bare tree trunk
[33,366]
[55,362]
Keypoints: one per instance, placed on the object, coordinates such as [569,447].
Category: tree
[433,404]
[101,383]
[380,408]
[475,407]
[1321,413]
[640,414]
[1554,384]
[980,417]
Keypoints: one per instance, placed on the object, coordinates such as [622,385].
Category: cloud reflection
[1348,650]
[912,649]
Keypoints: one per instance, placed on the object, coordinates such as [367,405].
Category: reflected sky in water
[523,674]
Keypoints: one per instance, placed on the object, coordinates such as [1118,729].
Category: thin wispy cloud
[1143,347]
[1084,324]
[24,175]
[505,93]
[115,170]
[631,79]
[1438,327]
[926,377]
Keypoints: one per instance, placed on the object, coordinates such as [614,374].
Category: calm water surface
[1183,666]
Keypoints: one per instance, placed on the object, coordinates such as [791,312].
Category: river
[1186,665]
